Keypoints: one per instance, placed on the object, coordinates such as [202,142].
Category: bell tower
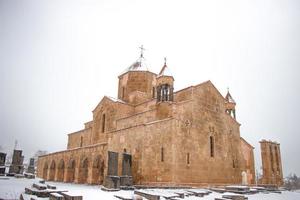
[230,105]
[164,85]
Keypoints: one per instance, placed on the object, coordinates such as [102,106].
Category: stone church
[156,136]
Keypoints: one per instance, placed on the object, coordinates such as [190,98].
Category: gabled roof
[110,99]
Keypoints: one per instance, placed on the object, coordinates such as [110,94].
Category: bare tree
[292,182]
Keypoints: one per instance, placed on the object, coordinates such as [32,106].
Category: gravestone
[30,168]
[16,166]
[126,165]
[112,180]
[112,163]
[126,178]
[2,163]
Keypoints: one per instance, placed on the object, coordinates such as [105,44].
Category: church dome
[139,65]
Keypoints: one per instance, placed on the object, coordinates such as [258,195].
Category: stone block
[112,182]
[126,180]
[56,196]
[70,196]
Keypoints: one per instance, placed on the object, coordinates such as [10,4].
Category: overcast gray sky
[58,58]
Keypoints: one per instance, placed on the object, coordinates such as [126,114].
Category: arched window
[212,146]
[103,123]
[188,158]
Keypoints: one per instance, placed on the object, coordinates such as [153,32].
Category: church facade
[185,137]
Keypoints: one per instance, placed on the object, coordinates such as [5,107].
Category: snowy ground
[12,188]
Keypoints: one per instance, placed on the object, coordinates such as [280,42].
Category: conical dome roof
[139,65]
[229,98]
[165,70]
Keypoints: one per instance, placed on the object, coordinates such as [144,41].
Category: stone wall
[80,138]
[248,159]
[142,81]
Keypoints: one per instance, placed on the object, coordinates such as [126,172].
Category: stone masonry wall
[80,165]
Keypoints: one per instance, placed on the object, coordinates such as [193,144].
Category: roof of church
[229,98]
[165,71]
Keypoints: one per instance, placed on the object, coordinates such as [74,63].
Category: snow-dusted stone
[234,197]
[53,187]
[239,189]
[71,196]
[148,195]
[56,196]
[39,186]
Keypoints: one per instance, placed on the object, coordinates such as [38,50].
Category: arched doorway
[52,171]
[45,171]
[71,171]
[83,171]
[60,171]
[98,170]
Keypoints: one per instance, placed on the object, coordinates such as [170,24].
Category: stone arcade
[153,135]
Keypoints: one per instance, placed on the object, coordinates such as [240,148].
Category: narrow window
[81,141]
[153,92]
[271,157]
[125,150]
[103,123]
[212,150]
[233,163]
[123,92]
[188,158]
[162,155]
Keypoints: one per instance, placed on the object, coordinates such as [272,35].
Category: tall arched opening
[70,177]
[97,170]
[83,171]
[45,171]
[60,171]
[52,171]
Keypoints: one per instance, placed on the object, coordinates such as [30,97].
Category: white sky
[58,58]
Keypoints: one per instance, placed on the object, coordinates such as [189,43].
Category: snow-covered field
[12,188]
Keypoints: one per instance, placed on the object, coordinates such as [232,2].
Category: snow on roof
[139,65]
[115,100]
